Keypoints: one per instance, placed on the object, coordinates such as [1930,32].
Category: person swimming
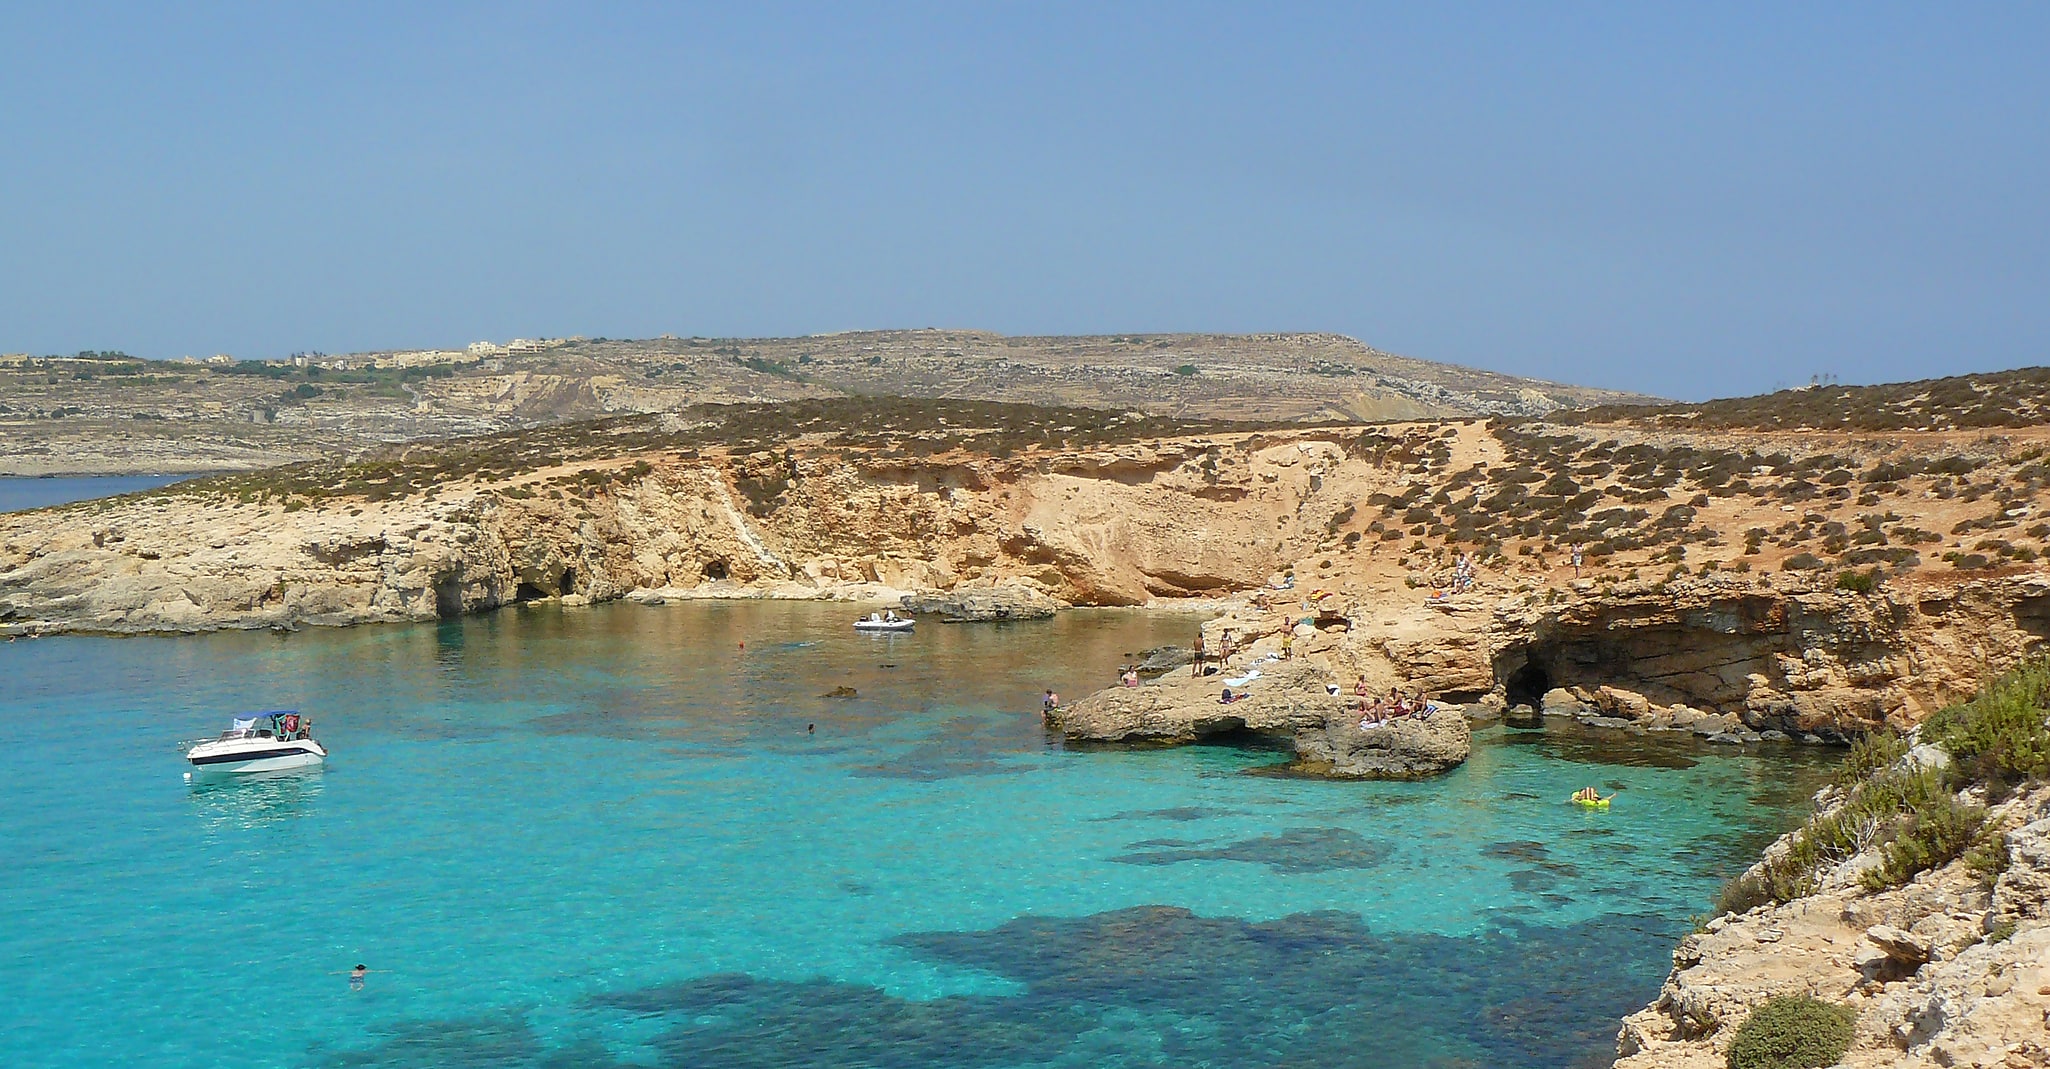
[356,976]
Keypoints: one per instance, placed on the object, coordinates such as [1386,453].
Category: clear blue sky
[1691,200]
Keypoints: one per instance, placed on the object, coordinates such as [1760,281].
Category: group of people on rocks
[1393,706]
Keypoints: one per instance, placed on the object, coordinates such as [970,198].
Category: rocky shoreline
[1948,970]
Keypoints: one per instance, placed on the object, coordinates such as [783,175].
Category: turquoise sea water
[616,837]
[17,494]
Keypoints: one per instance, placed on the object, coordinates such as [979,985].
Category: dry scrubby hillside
[107,412]
[2019,398]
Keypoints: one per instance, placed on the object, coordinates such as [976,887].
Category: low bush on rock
[1910,814]
[1793,1032]
[1999,736]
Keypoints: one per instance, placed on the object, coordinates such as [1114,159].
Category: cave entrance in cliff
[528,592]
[1527,686]
[569,581]
[448,598]
[716,570]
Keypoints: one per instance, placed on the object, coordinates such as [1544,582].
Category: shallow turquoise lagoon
[632,836]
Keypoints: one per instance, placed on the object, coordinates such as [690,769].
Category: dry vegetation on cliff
[1909,916]
[1853,508]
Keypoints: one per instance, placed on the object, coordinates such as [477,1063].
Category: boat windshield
[263,725]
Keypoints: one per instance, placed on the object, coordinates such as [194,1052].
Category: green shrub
[1987,858]
[1999,735]
[1858,582]
[1793,1032]
[1909,815]
[1932,829]
[1870,754]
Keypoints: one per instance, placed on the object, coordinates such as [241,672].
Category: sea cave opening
[448,597]
[569,581]
[716,570]
[1527,686]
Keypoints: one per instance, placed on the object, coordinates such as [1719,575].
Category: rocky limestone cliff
[1114,527]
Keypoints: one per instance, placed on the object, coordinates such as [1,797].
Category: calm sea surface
[616,837]
[18,494]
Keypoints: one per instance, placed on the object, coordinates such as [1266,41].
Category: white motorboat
[260,742]
[890,621]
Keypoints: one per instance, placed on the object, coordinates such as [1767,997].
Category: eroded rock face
[2023,891]
[1115,527]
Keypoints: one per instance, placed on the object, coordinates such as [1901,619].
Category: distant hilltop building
[481,349]
[420,357]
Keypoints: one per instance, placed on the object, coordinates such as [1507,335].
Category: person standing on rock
[1288,644]
[1577,558]
[1197,670]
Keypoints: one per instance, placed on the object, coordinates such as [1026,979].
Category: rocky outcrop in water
[983,604]
[1404,748]
[1288,701]
[1283,700]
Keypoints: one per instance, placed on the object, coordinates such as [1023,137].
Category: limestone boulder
[2023,891]
[1285,698]
[979,604]
[1407,748]
[1161,660]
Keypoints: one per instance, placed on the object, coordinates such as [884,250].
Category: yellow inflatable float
[1587,798]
